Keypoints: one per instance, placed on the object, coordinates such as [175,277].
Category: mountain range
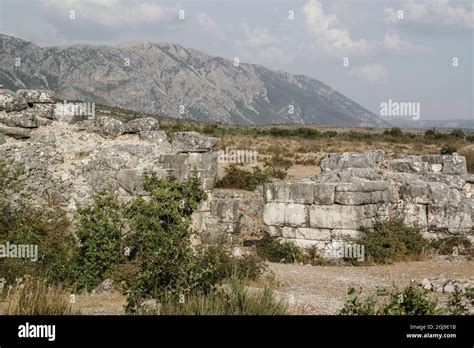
[171,80]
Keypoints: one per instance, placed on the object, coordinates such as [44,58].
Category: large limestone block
[308,243]
[10,101]
[129,180]
[408,164]
[313,233]
[277,192]
[421,192]
[344,217]
[23,119]
[341,161]
[362,173]
[109,127]
[302,192]
[401,178]
[327,177]
[451,164]
[336,217]
[44,110]
[453,181]
[38,95]
[453,218]
[296,215]
[274,214]
[103,180]
[3,140]
[324,193]
[16,132]
[360,198]
[413,214]
[362,192]
[145,124]
[192,142]
[285,214]
[288,232]
[225,209]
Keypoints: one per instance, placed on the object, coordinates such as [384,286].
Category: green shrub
[47,228]
[99,229]
[459,301]
[278,161]
[272,249]
[458,133]
[394,132]
[447,150]
[392,241]
[433,134]
[352,135]
[412,300]
[160,241]
[242,179]
[224,265]
[445,246]
[356,306]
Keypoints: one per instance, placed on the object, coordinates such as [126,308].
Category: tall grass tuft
[231,300]
[35,297]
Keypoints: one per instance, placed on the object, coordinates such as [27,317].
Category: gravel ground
[323,289]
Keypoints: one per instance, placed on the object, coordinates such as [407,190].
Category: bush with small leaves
[447,150]
[99,229]
[392,241]
[412,300]
[458,133]
[160,240]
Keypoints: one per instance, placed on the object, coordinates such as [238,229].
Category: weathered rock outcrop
[356,190]
[71,157]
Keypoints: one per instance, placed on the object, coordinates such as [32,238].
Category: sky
[372,51]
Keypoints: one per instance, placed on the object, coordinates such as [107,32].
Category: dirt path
[323,289]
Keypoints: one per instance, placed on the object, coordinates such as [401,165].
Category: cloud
[257,37]
[394,44]
[331,38]
[114,13]
[441,14]
[370,72]
[259,45]
[206,22]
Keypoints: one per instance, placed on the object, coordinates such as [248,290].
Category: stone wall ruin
[73,156]
[356,190]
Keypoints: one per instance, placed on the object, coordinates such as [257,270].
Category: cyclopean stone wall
[356,190]
[70,157]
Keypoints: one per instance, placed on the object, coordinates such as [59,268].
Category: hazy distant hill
[164,78]
[410,123]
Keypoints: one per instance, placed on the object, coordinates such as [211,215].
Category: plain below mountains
[171,80]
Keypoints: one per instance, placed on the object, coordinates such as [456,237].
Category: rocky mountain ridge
[175,81]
